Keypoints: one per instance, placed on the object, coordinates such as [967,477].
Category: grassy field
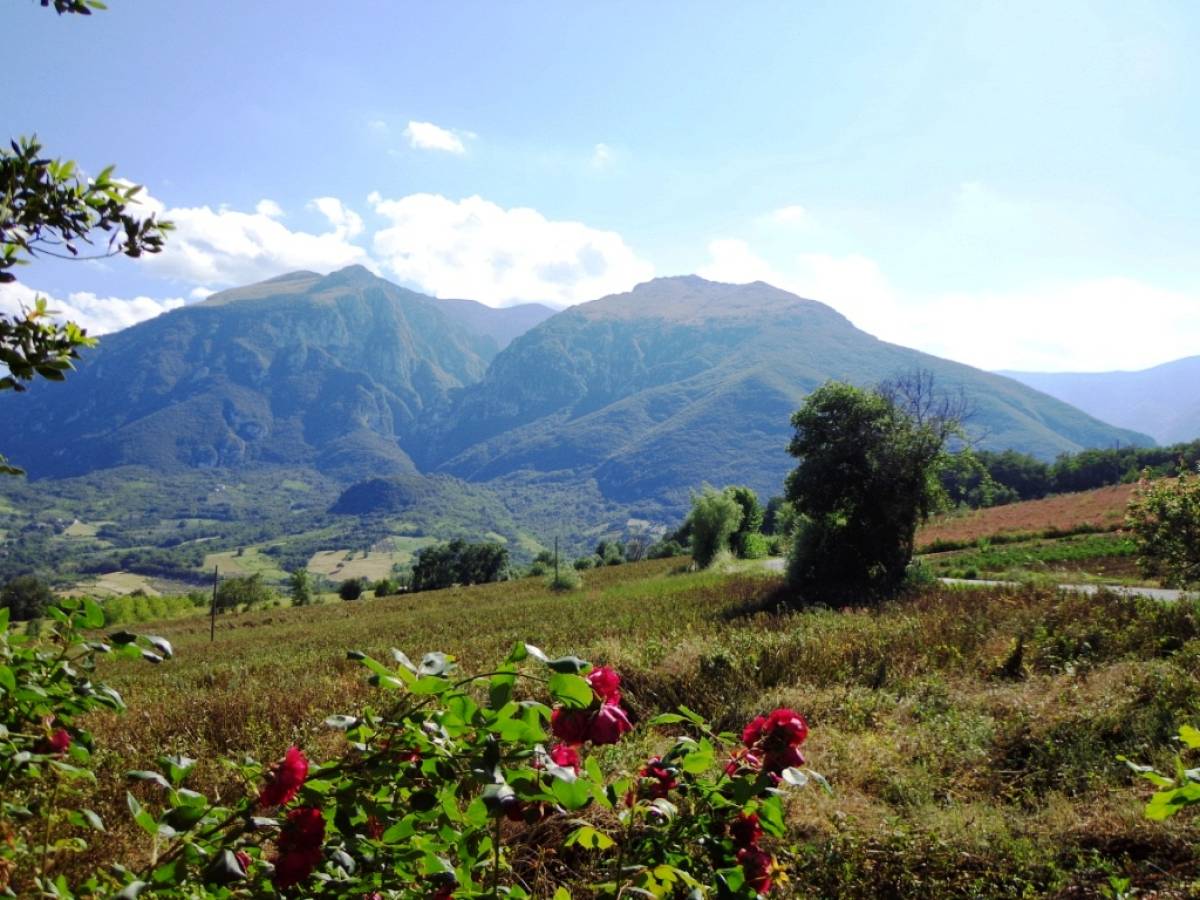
[1100,510]
[961,765]
[1074,559]
[374,564]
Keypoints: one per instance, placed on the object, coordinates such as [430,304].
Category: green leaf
[7,680]
[667,719]
[93,615]
[1190,736]
[572,794]
[589,838]
[571,690]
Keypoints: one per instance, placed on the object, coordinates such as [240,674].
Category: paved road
[778,564]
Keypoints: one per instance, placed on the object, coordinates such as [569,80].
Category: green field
[960,767]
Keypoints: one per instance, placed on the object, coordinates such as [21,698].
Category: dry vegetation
[1101,510]
[971,737]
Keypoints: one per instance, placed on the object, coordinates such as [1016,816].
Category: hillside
[1161,401]
[331,372]
[618,407]
[684,380]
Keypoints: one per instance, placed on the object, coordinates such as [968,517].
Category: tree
[1164,516]
[26,597]
[300,587]
[351,589]
[243,590]
[458,562]
[867,476]
[714,518]
[752,518]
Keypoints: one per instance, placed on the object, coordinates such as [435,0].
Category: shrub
[714,518]
[755,546]
[567,579]
[300,587]
[665,549]
[1164,517]
[243,590]
[26,597]
[442,795]
[351,589]
[583,563]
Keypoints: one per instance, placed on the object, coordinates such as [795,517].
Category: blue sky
[1009,184]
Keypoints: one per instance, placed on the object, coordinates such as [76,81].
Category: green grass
[959,769]
[1102,557]
[251,561]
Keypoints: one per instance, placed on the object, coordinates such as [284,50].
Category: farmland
[961,765]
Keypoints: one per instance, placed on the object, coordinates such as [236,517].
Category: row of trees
[978,478]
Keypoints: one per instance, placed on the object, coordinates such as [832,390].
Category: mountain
[684,380]
[500,325]
[327,371]
[627,402]
[1163,401]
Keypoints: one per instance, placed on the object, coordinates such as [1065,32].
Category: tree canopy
[867,476]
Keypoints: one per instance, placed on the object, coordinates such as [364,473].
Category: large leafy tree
[1164,516]
[49,208]
[867,476]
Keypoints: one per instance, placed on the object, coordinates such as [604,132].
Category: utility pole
[556,559]
[212,625]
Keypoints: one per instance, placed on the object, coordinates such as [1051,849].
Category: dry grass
[1102,509]
[952,778]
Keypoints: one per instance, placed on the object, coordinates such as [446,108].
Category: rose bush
[447,780]
[46,687]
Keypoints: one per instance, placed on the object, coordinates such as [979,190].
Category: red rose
[58,742]
[745,830]
[243,859]
[445,892]
[299,846]
[565,756]
[785,727]
[285,779]
[605,683]
[608,724]
[663,779]
[753,731]
[775,761]
[758,866]
[570,725]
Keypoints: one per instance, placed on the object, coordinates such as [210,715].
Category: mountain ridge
[1161,400]
[644,394]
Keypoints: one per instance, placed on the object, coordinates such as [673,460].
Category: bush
[475,771]
[243,591]
[714,518]
[755,546]
[567,579]
[1164,517]
[300,587]
[665,549]
[351,589]
[583,563]
[26,597]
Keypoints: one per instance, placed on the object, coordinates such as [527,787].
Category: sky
[1008,184]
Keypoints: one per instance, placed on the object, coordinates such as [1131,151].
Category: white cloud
[789,215]
[1081,325]
[427,136]
[345,221]
[602,156]
[475,249]
[228,247]
[269,208]
[378,125]
[99,315]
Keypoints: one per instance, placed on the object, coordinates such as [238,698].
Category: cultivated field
[1100,510]
[970,736]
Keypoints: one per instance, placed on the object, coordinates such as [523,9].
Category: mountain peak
[691,298]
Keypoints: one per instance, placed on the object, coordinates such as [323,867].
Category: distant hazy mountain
[1163,401]
[499,324]
[684,380]
[640,396]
